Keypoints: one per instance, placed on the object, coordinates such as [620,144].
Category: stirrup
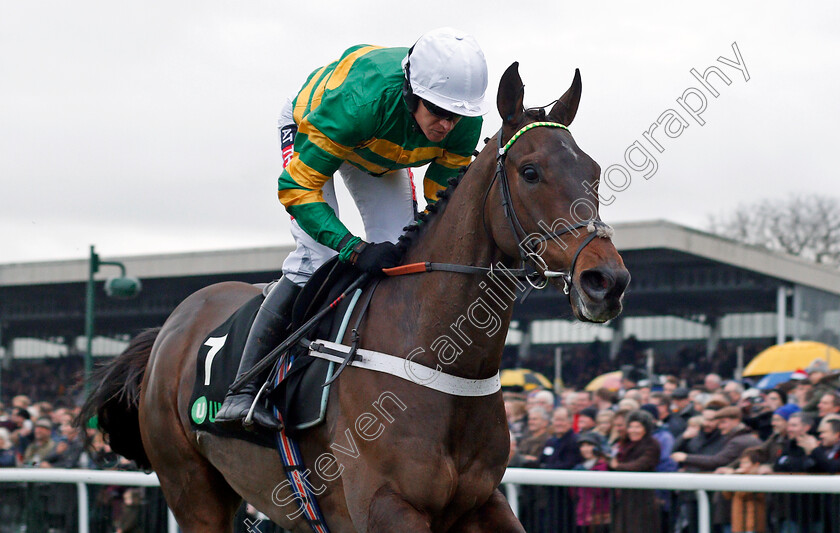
[248,422]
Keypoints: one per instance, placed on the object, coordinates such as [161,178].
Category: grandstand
[689,288]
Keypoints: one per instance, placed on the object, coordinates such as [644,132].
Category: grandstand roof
[675,270]
[648,235]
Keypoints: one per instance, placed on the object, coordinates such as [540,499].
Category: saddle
[301,398]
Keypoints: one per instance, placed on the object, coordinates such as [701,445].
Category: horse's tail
[115,398]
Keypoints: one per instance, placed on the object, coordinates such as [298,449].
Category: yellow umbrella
[610,380]
[527,379]
[790,356]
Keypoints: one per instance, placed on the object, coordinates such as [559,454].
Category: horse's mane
[412,231]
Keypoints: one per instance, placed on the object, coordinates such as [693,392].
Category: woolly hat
[817,365]
[799,375]
[786,410]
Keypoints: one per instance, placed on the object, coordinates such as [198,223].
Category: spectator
[829,404]
[582,400]
[822,453]
[629,405]
[68,450]
[561,450]
[619,430]
[798,511]
[517,418]
[22,431]
[541,398]
[587,419]
[670,385]
[664,438]
[129,521]
[605,399]
[736,438]
[757,413]
[707,441]
[514,459]
[592,508]
[43,444]
[8,457]
[699,401]
[794,458]
[821,383]
[532,446]
[733,391]
[638,452]
[683,405]
[672,421]
[775,398]
[603,424]
[749,509]
[775,445]
[802,392]
[712,383]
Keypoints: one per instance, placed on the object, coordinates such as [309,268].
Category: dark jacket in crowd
[8,458]
[735,442]
[761,424]
[561,452]
[675,424]
[635,510]
[826,460]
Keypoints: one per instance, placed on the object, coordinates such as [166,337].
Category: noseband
[531,260]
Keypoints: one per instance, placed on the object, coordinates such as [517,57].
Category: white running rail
[83,478]
[699,483]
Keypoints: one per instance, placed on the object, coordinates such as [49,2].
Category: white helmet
[447,67]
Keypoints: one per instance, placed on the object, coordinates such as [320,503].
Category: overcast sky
[150,127]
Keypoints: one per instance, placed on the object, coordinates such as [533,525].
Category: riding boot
[270,327]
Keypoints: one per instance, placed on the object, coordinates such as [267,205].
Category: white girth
[407,370]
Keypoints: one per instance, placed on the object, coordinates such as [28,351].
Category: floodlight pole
[90,301]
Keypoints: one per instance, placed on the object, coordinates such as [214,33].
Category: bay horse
[437,460]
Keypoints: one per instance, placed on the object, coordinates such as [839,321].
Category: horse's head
[552,220]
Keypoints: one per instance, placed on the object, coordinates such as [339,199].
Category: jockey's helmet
[447,68]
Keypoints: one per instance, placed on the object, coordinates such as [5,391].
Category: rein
[527,252]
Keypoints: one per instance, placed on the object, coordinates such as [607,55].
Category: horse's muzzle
[599,292]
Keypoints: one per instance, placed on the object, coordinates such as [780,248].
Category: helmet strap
[411,99]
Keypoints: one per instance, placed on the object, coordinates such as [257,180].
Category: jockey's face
[434,127]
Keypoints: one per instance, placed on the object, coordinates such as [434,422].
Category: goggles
[440,113]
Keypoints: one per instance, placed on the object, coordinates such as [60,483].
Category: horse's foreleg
[494,516]
[390,512]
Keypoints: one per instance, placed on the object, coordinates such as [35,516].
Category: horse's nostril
[600,284]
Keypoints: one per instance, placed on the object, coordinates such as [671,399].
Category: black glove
[372,258]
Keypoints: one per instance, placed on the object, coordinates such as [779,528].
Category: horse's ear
[511,93]
[565,109]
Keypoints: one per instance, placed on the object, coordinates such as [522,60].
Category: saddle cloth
[300,397]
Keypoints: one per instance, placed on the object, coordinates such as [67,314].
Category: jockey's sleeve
[458,153]
[325,139]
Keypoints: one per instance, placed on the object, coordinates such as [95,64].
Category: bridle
[531,261]
[526,244]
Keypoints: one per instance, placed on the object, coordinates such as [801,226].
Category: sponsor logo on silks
[199,410]
[287,143]
[214,408]
[204,410]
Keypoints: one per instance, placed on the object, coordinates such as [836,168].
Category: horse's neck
[462,319]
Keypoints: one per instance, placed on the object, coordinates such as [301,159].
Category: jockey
[370,115]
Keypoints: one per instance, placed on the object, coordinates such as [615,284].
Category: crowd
[716,426]
[39,435]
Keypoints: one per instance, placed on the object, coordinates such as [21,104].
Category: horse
[430,461]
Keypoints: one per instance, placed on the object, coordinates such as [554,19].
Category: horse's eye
[530,174]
